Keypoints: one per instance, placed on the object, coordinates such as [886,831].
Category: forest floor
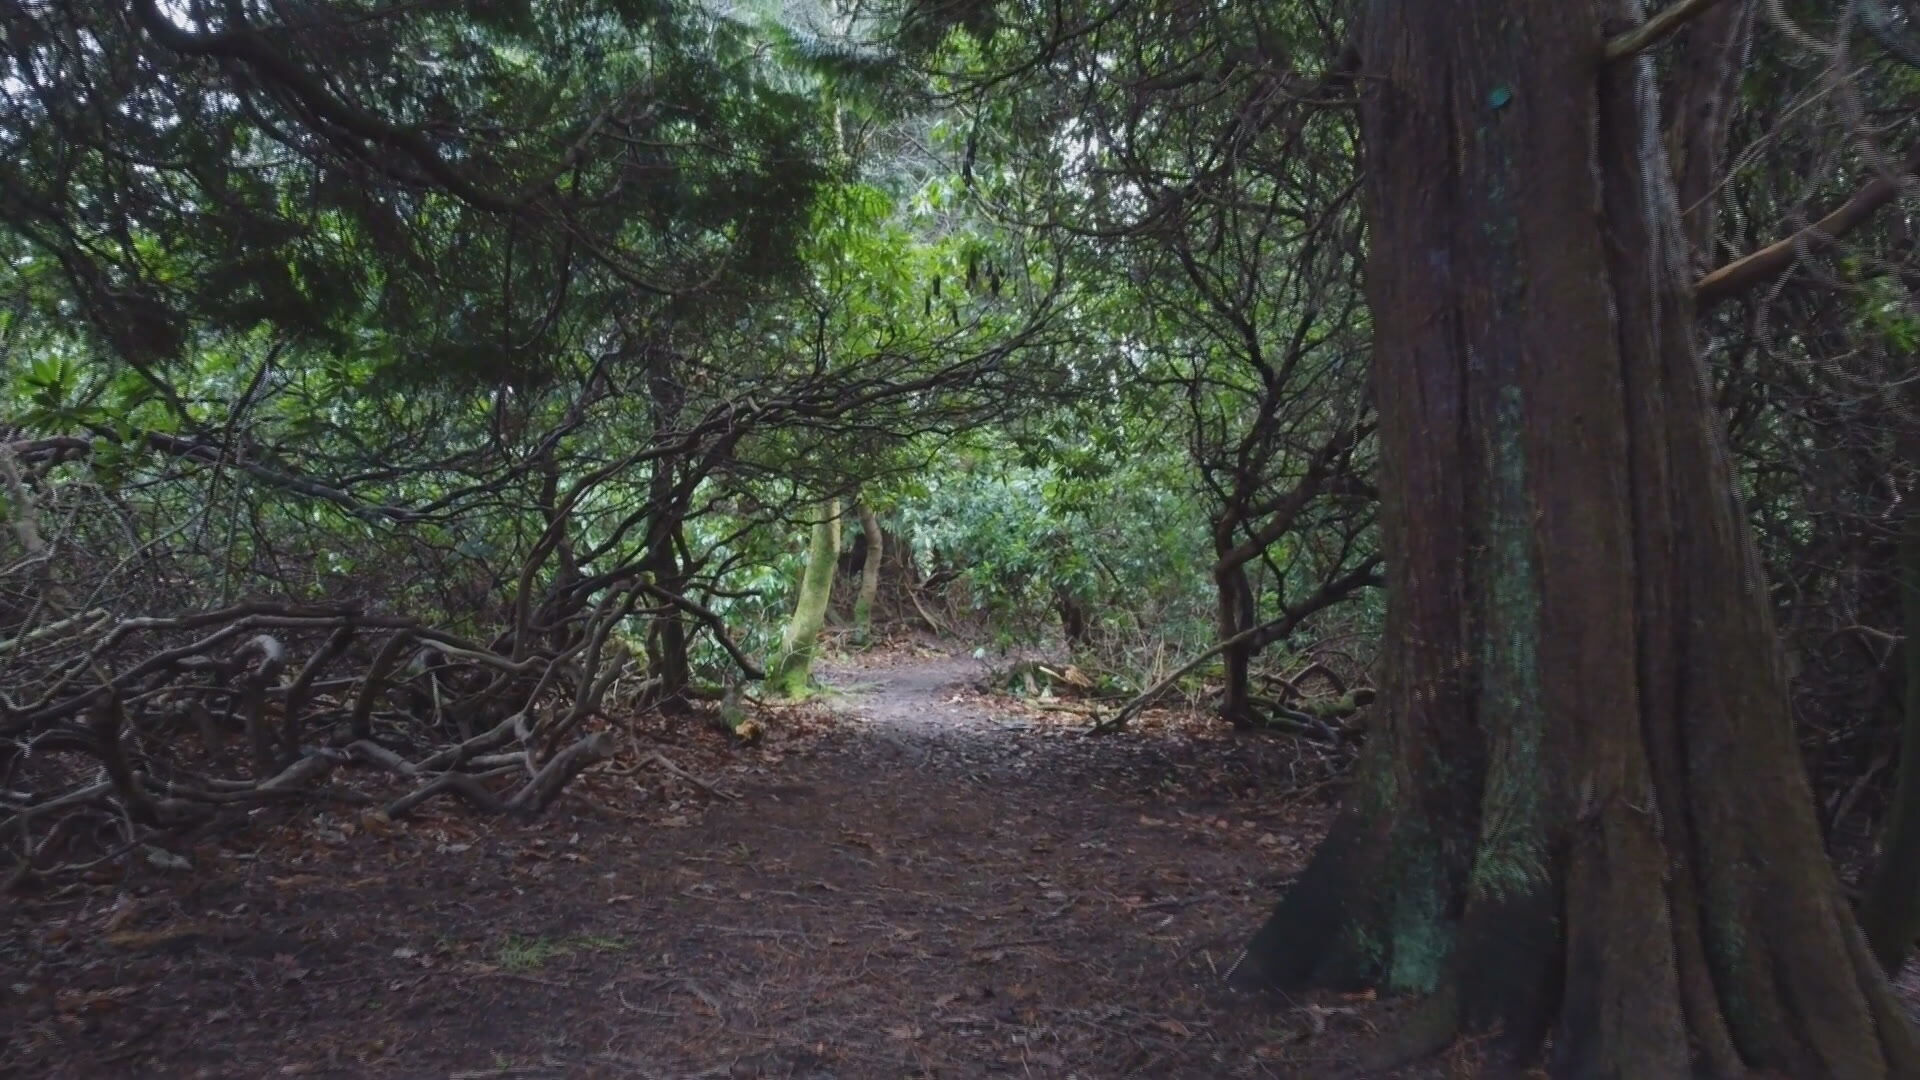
[911,878]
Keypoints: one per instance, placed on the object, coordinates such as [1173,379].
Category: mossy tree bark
[1582,820]
[792,666]
[869,576]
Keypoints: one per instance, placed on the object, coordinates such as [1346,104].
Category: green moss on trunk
[1586,823]
[792,666]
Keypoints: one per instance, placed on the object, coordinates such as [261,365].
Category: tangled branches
[130,706]
[153,723]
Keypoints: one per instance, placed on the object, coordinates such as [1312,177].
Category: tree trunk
[869,577]
[668,659]
[1073,616]
[792,666]
[1234,616]
[1704,88]
[1890,915]
[667,654]
[1555,833]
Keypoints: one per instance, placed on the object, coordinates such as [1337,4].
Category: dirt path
[928,884]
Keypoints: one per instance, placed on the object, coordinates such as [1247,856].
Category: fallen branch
[933,624]
[661,760]
[532,798]
[1152,693]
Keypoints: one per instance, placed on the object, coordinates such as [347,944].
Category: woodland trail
[926,882]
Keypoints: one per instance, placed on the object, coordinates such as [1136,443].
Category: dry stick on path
[660,759]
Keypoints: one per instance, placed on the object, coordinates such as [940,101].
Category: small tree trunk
[869,577]
[792,666]
[1890,915]
[1234,598]
[667,655]
[1073,616]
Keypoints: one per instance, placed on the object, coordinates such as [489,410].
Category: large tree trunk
[1582,817]
[1703,87]
[1890,915]
[792,666]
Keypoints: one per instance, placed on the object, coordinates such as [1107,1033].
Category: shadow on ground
[927,882]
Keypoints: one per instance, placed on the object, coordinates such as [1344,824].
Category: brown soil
[915,880]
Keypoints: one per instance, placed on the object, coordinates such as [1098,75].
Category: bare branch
[1664,24]
[1775,259]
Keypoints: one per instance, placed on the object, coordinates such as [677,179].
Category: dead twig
[660,759]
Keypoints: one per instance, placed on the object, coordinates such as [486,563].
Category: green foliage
[372,311]
[1118,533]
[466,190]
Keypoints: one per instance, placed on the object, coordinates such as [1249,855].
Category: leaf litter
[905,885]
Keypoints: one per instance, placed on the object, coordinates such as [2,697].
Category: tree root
[93,728]
[1429,1028]
[535,796]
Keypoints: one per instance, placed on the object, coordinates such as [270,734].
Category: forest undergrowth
[909,876]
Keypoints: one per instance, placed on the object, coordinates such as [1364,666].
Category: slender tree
[869,576]
[1582,819]
[793,664]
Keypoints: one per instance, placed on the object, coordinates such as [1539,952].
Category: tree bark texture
[668,657]
[667,646]
[1234,615]
[793,665]
[1581,819]
[869,576]
[1890,914]
[1701,91]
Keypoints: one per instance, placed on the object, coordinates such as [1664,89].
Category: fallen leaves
[138,940]
[125,909]
[902,914]
[290,968]
[73,1003]
[1172,1027]
[162,859]
[297,881]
